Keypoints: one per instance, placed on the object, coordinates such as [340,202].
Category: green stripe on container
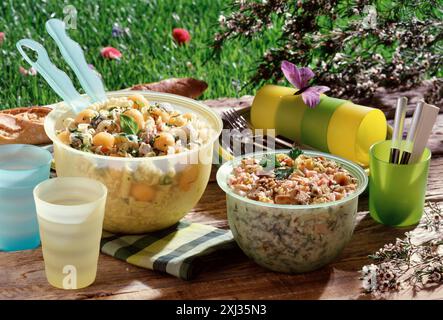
[314,127]
[288,117]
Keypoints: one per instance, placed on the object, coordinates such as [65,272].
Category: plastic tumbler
[70,214]
[22,167]
[396,191]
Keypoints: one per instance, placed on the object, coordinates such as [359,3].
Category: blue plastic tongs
[56,78]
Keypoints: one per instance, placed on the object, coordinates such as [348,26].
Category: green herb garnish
[294,153]
[269,161]
[283,173]
[128,125]
[165,180]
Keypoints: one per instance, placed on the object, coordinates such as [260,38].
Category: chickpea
[142,192]
[309,164]
[160,113]
[103,139]
[137,116]
[187,177]
[177,121]
[341,178]
[139,101]
[163,141]
[85,116]
[65,137]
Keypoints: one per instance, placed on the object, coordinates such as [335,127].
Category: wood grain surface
[234,276]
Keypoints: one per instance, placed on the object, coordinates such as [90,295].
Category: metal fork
[238,135]
[236,121]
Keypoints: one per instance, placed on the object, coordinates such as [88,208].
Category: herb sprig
[295,153]
[128,125]
[283,173]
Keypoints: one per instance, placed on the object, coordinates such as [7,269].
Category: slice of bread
[23,125]
[186,87]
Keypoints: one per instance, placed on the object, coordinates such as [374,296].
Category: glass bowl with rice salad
[292,211]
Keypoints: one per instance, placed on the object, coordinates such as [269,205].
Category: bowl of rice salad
[291,211]
[153,151]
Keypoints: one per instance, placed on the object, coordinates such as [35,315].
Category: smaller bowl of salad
[292,211]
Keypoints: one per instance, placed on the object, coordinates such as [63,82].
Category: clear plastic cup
[22,167]
[70,214]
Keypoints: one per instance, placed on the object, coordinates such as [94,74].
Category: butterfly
[299,78]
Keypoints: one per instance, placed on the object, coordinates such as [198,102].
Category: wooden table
[22,273]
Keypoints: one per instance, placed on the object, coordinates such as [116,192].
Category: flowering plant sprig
[399,48]
[407,262]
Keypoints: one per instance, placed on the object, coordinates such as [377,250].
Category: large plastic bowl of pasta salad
[292,211]
[153,151]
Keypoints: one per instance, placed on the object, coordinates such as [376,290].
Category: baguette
[186,87]
[23,125]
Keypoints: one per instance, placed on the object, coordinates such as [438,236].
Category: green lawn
[149,54]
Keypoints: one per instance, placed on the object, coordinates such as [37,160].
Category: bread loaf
[186,87]
[23,125]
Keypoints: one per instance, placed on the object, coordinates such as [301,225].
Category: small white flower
[369,277]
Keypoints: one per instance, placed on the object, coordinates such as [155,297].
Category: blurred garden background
[252,38]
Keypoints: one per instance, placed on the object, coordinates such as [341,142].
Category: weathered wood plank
[236,277]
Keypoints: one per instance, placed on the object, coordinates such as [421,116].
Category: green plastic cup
[396,192]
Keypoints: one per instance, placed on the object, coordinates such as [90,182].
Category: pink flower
[299,78]
[32,72]
[23,71]
[111,53]
[181,36]
[26,72]
[2,37]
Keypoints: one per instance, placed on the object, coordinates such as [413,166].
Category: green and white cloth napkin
[175,250]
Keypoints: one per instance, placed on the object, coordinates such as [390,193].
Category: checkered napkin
[175,250]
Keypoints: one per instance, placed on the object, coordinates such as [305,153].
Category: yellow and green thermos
[334,126]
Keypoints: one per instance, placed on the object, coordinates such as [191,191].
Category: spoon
[56,78]
[74,56]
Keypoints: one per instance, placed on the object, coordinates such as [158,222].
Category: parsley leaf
[269,161]
[294,153]
[283,173]
[128,125]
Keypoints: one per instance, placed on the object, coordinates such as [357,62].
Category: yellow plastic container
[353,129]
[335,126]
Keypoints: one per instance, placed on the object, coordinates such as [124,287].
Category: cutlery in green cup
[396,192]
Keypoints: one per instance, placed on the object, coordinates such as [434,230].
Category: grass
[149,54]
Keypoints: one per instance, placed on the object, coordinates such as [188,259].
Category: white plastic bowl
[177,181]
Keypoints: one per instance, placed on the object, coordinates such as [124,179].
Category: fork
[237,121]
[237,136]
